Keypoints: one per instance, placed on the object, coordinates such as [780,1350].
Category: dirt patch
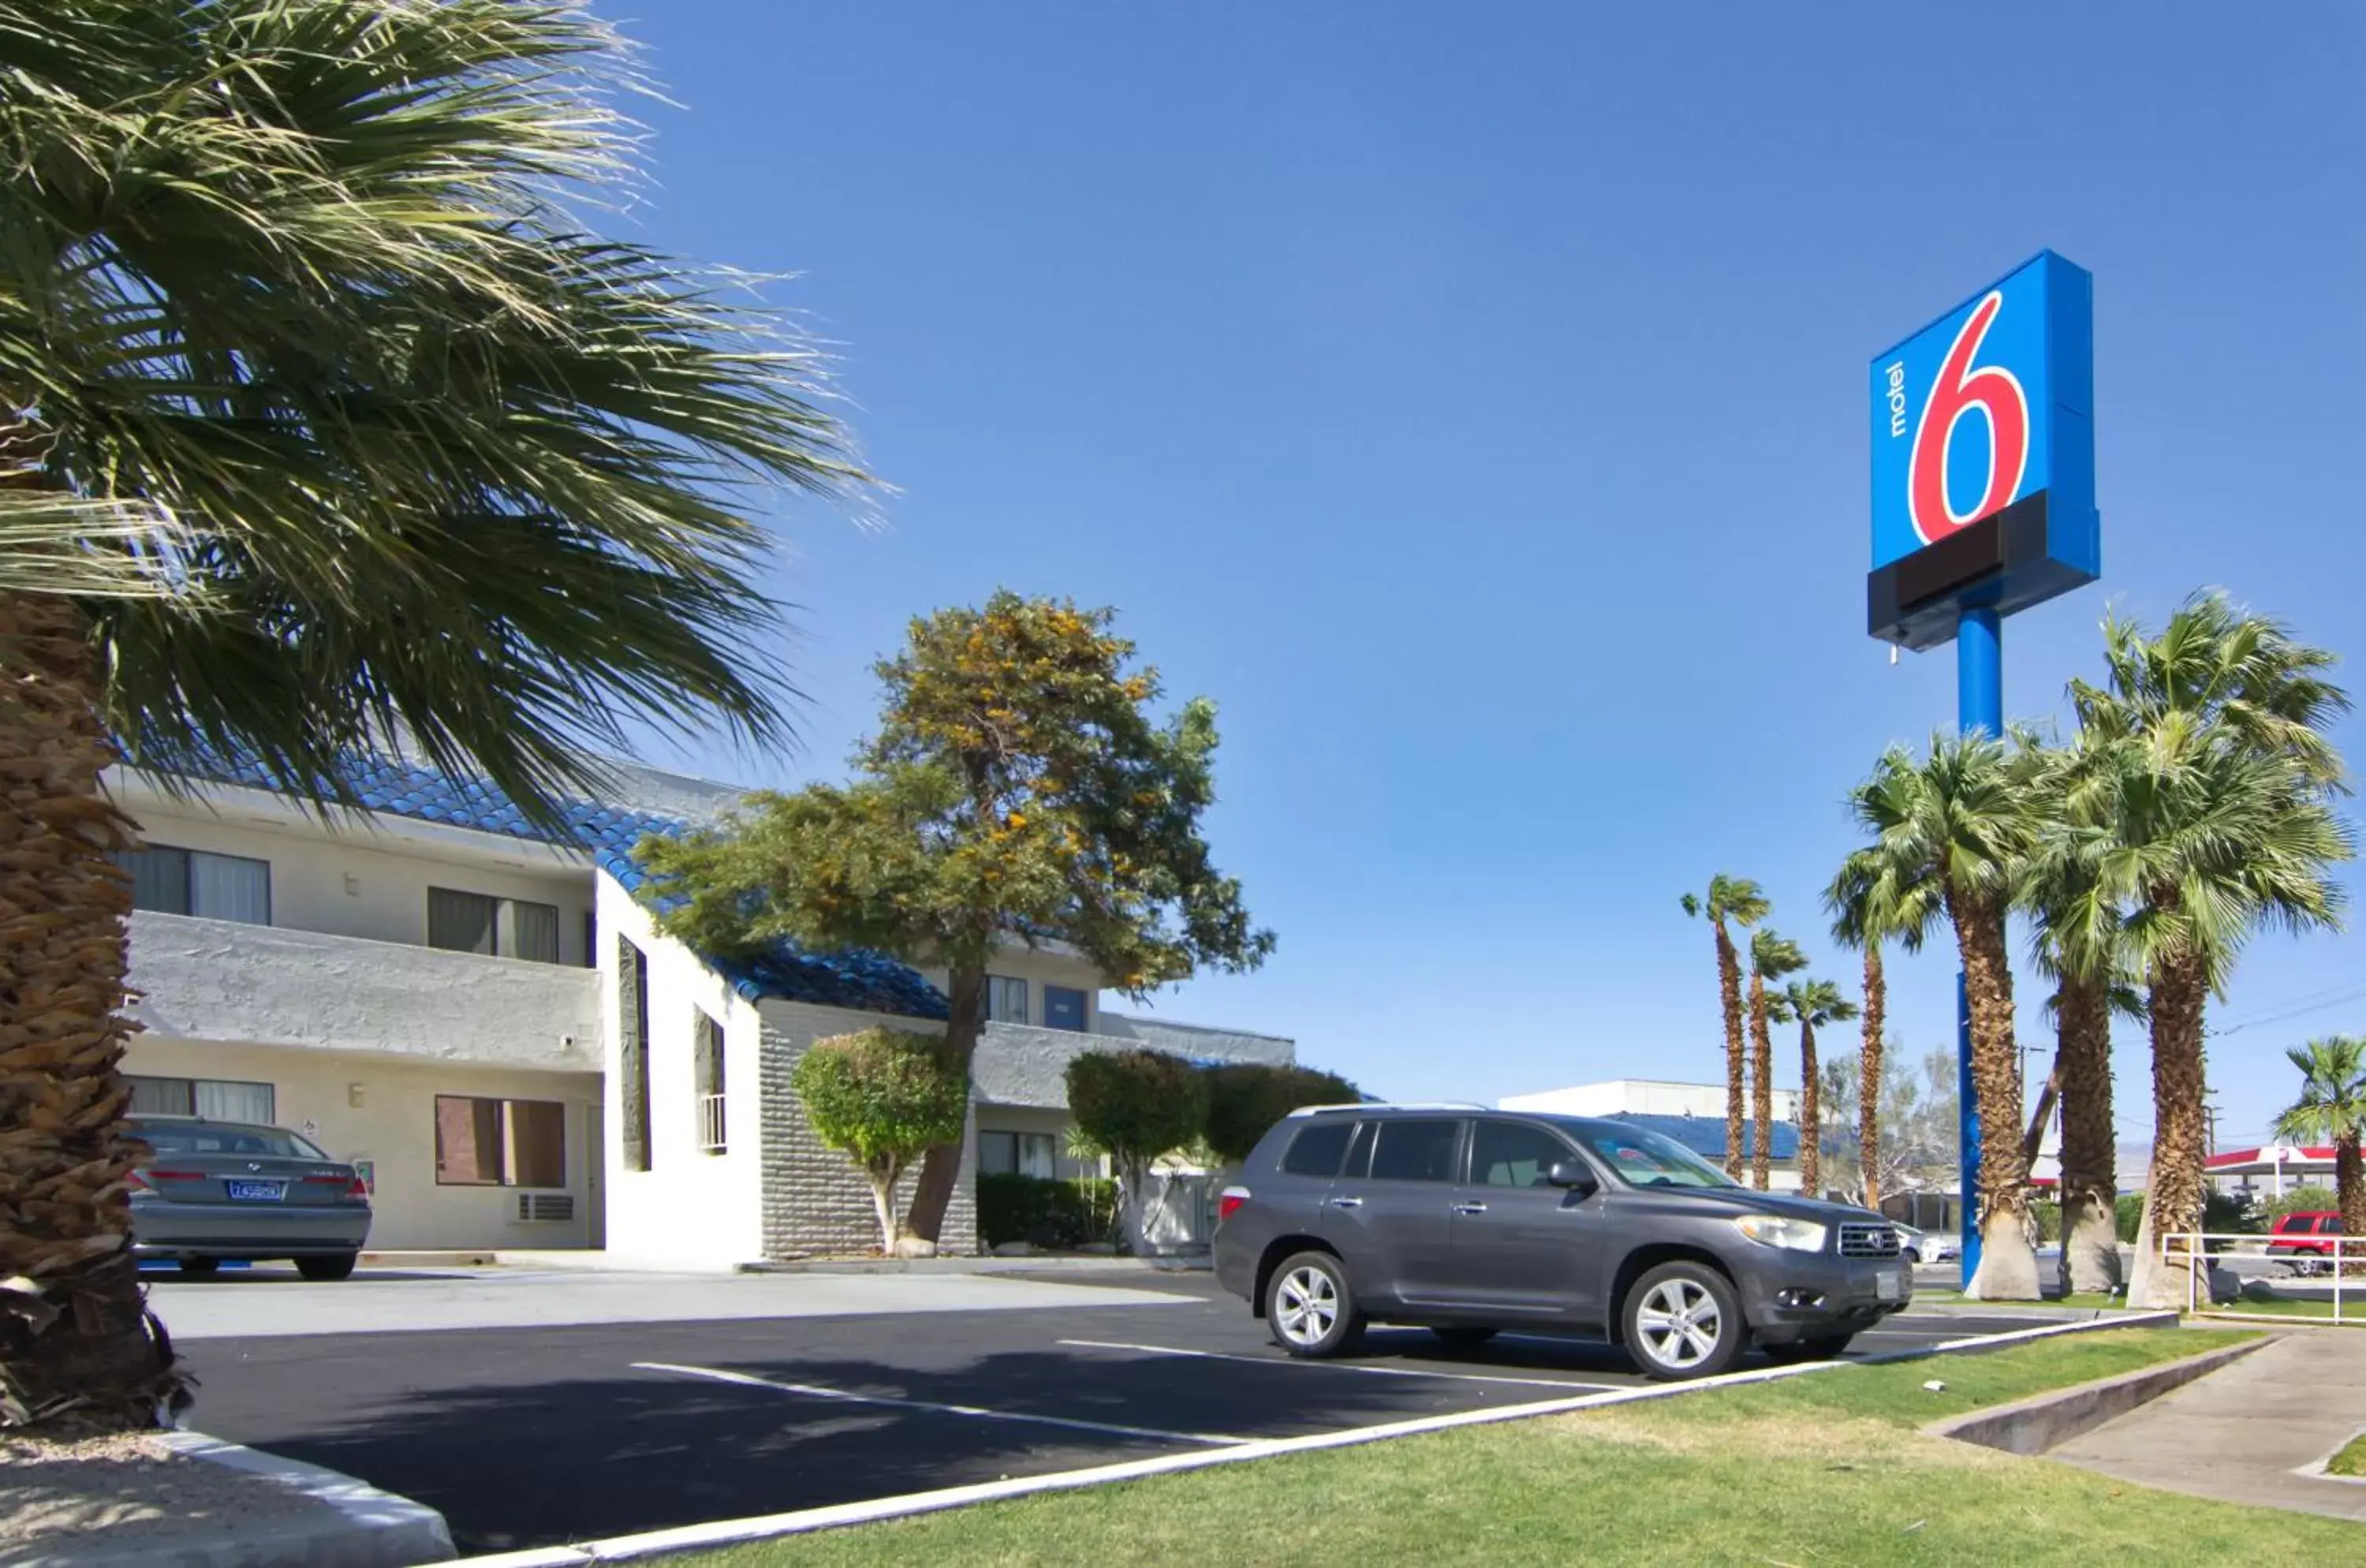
[1822,1438]
[128,1486]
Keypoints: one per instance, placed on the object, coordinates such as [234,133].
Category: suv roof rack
[1392,1105]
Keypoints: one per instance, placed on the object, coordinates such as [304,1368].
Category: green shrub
[2127,1213]
[2048,1215]
[884,1098]
[1246,1099]
[2300,1201]
[1045,1213]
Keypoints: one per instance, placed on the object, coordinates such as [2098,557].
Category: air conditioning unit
[545,1207]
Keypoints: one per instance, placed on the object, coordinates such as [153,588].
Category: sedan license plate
[255,1191]
[1889,1284]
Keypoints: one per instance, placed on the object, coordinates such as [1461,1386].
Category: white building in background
[485,1017]
[1691,1113]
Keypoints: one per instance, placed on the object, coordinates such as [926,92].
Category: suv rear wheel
[1310,1307]
[1683,1320]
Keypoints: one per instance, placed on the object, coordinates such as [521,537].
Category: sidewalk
[2243,1433]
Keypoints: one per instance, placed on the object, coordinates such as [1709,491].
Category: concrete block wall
[814,1199]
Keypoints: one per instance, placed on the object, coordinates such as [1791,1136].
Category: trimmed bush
[884,1098]
[1138,1105]
[1246,1099]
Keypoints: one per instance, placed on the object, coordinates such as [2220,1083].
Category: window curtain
[460,923]
[254,1103]
[159,879]
[230,887]
[537,1143]
[468,1141]
[163,1097]
[536,932]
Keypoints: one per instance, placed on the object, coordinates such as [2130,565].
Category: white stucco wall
[381,1108]
[690,1209]
[262,984]
[368,877]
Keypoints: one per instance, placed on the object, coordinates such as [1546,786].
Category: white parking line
[1334,1365]
[815,1391]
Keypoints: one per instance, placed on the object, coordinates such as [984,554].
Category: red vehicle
[2306,1238]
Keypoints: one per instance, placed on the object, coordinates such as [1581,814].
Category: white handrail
[2184,1248]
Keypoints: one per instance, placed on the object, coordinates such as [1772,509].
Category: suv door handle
[1470,1208]
[1347,1202]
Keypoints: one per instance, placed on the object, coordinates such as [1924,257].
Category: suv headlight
[1779,1230]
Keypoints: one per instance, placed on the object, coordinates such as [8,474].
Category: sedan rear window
[1316,1149]
[220,1138]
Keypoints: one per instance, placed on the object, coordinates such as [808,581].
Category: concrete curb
[1048,1263]
[2032,1426]
[735,1532]
[367,1528]
[2316,1470]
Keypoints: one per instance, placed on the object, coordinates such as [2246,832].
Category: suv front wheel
[1683,1320]
[1311,1308]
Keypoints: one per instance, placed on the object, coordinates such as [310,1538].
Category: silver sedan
[217,1191]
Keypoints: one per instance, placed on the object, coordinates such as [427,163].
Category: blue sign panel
[1984,457]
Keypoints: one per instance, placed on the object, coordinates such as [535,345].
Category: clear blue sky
[1469,401]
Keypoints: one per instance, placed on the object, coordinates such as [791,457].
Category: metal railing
[711,1125]
[2274,1271]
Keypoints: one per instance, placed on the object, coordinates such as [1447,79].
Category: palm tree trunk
[1812,1116]
[1868,1076]
[2178,1147]
[2090,1242]
[1729,988]
[2008,1268]
[940,1170]
[1762,1089]
[74,1331]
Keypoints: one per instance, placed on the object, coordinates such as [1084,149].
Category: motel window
[1015,1153]
[216,1099]
[459,921]
[1006,999]
[482,1142]
[1063,1008]
[633,1051]
[192,882]
[707,1066]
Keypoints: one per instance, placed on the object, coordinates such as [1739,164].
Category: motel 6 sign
[1984,457]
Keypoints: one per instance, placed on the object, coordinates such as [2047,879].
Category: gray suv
[1468,1222]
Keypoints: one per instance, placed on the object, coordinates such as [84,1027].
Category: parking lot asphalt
[540,1434]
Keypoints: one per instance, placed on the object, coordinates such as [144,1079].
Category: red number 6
[1996,393]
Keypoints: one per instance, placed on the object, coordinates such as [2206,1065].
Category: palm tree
[2207,758]
[2332,1106]
[383,444]
[1858,923]
[1740,900]
[1949,832]
[2079,944]
[1813,1004]
[1770,958]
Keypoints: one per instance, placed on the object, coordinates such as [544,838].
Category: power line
[2355,994]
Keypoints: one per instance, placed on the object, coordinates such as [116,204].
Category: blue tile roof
[867,982]
[1705,1136]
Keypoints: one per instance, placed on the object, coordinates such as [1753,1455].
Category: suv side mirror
[1574,1174]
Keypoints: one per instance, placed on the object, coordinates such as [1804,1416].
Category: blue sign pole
[1979,706]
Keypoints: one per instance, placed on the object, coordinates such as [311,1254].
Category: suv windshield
[1641,1159]
[222,1138]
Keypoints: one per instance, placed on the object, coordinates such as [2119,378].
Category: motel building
[484,1018]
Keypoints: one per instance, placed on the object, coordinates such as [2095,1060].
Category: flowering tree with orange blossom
[1021,787]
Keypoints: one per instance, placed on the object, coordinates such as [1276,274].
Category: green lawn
[1820,1469]
[2351,1459]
